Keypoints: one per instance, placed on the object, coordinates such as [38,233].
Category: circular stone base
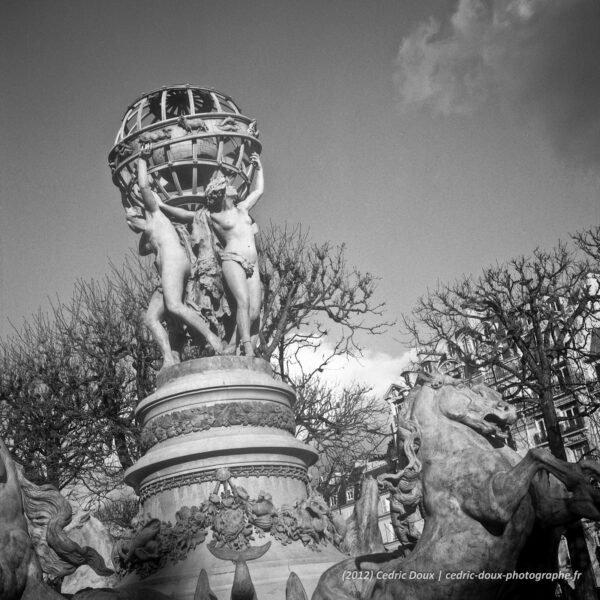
[212,413]
[213,416]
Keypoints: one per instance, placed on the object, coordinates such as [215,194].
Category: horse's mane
[409,432]
[47,513]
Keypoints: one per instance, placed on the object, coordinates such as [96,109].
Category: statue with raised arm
[173,262]
[235,230]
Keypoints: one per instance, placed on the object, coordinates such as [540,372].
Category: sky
[432,137]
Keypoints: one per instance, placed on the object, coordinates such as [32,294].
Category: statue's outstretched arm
[148,197]
[258,184]
[181,214]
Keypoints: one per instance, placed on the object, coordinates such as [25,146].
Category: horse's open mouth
[497,425]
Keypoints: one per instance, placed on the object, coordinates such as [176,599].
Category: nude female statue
[159,237]
[235,230]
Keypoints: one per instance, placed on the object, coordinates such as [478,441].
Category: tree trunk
[555,440]
[585,586]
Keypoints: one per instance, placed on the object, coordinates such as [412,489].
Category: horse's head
[478,407]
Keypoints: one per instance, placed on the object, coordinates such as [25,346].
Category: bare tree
[71,379]
[44,405]
[312,296]
[589,242]
[345,425]
[529,318]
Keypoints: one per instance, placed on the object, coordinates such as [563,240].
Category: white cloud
[378,370]
[535,59]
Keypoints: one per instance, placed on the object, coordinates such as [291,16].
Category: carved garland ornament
[249,413]
[235,521]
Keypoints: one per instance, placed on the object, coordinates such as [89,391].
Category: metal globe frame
[194,132]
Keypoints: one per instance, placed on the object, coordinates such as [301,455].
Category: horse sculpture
[482,502]
[32,537]
[33,543]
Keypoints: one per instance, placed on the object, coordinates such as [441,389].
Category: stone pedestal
[223,415]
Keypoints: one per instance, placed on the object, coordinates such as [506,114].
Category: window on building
[579,450]
[563,375]
[469,371]
[555,304]
[350,495]
[468,345]
[389,534]
[541,436]
[572,419]
[333,502]
[540,425]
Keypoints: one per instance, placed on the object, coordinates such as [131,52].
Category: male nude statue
[236,231]
[160,238]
